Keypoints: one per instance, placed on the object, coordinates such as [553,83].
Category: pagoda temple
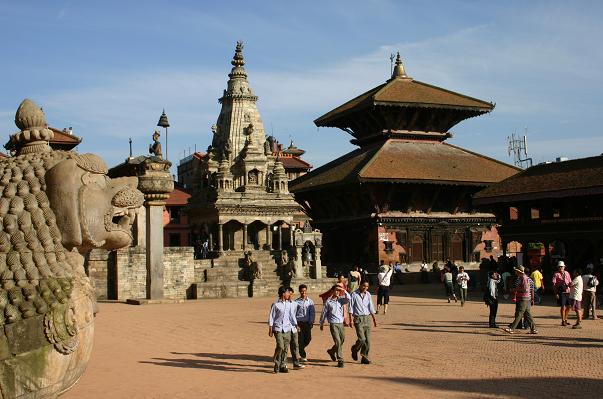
[242,207]
[405,194]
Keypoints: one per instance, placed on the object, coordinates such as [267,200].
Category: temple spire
[238,59]
[399,68]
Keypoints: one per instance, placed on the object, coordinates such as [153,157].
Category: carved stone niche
[54,206]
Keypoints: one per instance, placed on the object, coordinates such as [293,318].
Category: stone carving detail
[54,206]
[60,328]
[254,268]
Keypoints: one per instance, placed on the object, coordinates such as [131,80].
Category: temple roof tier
[407,161]
[403,103]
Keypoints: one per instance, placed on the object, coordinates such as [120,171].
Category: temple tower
[242,206]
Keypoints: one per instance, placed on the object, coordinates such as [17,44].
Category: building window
[488,245]
[513,213]
[535,213]
[174,239]
[175,215]
[389,247]
[556,212]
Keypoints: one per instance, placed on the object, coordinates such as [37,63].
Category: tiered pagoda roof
[401,127]
[402,103]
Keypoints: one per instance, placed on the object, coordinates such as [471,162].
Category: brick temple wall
[122,274]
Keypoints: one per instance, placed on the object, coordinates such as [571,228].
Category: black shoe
[365,360]
[354,352]
[332,354]
[340,363]
[275,368]
[284,370]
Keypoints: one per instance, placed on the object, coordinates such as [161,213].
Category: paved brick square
[423,347]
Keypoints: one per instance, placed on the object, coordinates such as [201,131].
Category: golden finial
[399,68]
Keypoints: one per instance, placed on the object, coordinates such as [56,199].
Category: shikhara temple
[242,206]
[405,193]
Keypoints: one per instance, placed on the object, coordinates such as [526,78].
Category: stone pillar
[280,237]
[291,238]
[268,234]
[155,181]
[211,241]
[317,262]
[299,262]
[220,238]
[244,236]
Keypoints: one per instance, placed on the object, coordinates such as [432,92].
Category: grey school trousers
[363,334]
[338,334]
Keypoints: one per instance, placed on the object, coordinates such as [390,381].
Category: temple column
[156,183]
[317,262]
[299,263]
[244,236]
[280,237]
[211,241]
[267,246]
[291,242]
[220,238]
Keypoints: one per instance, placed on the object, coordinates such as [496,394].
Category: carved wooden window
[437,251]
[389,246]
[457,248]
[417,249]
[535,213]
[488,245]
[513,213]
[556,212]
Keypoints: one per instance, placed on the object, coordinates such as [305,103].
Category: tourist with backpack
[561,286]
[523,293]
[589,292]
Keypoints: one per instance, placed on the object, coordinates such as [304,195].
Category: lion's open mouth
[121,219]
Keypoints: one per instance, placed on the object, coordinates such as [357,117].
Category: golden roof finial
[238,59]
[399,68]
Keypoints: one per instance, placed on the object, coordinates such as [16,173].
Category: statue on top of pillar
[155,148]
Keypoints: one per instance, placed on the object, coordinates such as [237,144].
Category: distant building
[405,194]
[551,212]
[176,230]
[63,140]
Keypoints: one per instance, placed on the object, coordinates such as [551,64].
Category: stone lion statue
[254,268]
[54,207]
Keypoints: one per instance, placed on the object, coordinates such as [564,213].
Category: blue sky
[108,68]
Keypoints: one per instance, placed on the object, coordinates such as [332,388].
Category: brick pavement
[424,347]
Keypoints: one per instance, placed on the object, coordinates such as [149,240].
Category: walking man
[305,315]
[361,308]
[577,286]
[561,286]
[384,278]
[334,310]
[294,341]
[524,294]
[461,279]
[280,324]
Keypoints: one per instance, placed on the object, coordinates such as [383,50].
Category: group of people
[455,280]
[572,292]
[291,321]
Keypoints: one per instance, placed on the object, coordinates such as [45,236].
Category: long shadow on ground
[516,387]
[221,362]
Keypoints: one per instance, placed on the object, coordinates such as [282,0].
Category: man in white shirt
[589,292]
[461,279]
[575,297]
[362,310]
[384,280]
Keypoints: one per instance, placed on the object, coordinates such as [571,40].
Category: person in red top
[561,286]
[524,294]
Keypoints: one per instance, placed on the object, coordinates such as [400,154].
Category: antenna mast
[518,146]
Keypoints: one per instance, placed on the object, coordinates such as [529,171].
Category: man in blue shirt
[305,315]
[294,341]
[280,324]
[334,311]
[362,309]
